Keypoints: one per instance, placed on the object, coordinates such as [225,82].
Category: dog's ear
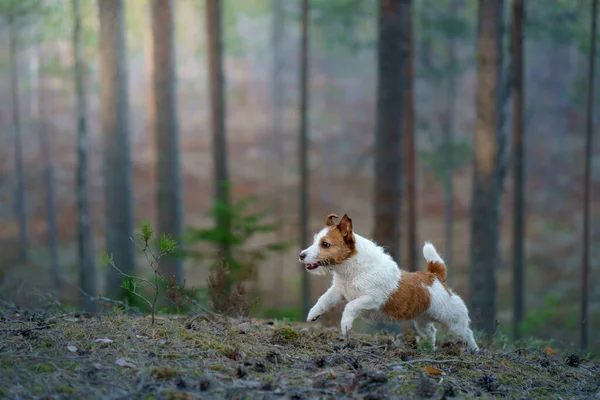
[330,219]
[345,226]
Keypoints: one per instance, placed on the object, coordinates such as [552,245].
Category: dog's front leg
[329,299]
[353,309]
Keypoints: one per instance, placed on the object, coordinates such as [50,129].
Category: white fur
[366,281]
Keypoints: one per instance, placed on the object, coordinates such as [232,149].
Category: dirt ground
[54,354]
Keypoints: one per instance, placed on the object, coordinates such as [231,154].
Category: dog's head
[331,246]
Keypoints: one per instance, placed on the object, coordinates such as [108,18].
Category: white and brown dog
[375,287]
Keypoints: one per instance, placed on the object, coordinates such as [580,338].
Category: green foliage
[435,27]
[287,314]
[244,226]
[350,24]
[21,11]
[434,158]
[541,318]
[146,231]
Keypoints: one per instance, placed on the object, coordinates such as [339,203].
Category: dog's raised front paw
[346,327]
[312,316]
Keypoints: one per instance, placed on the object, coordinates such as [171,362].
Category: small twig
[437,361]
[35,328]
[112,264]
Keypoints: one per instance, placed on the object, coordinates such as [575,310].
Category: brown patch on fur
[412,297]
[340,240]
[438,269]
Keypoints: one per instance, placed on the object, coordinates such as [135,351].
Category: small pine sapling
[132,284]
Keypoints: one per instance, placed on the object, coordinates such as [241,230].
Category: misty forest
[164,162]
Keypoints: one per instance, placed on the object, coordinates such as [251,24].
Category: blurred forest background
[413,117]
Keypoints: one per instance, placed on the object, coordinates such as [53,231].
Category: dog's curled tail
[435,264]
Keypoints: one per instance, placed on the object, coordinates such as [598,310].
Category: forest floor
[71,355]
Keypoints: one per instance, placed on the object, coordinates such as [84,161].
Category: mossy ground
[51,355]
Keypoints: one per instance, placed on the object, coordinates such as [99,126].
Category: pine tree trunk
[519,169]
[393,52]
[488,171]
[585,257]
[277,99]
[448,148]
[21,205]
[411,148]
[303,136]
[217,87]
[166,131]
[85,234]
[48,177]
[117,146]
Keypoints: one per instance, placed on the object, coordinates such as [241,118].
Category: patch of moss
[65,389]
[285,334]
[165,372]
[43,368]
[219,368]
[38,390]
[68,365]
[179,396]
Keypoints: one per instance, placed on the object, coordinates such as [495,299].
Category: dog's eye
[325,244]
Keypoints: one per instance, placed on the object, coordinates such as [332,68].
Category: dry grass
[45,354]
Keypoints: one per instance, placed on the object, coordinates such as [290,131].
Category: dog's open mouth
[314,266]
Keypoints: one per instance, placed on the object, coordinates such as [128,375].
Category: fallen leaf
[550,351]
[433,371]
[72,349]
[121,362]
[505,362]
[103,340]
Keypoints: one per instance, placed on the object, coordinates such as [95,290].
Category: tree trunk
[393,52]
[488,171]
[166,130]
[85,234]
[277,98]
[217,86]
[585,258]
[519,169]
[117,147]
[48,176]
[411,148]
[20,205]
[303,146]
[448,147]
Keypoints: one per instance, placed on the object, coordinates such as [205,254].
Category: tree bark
[117,147]
[217,85]
[277,98]
[48,176]
[448,146]
[488,171]
[303,146]
[585,257]
[392,58]
[519,168]
[85,234]
[21,205]
[411,148]
[166,131]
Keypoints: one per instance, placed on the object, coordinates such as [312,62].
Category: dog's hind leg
[425,329]
[462,330]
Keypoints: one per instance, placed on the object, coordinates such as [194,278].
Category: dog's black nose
[302,255]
